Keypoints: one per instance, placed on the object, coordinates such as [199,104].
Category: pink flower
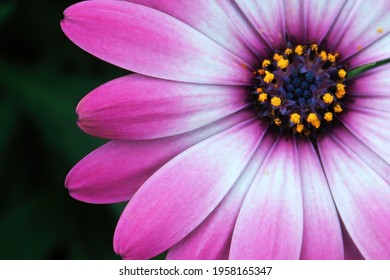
[243,134]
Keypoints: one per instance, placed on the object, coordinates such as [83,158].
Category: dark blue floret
[301,101]
[290,88]
[307,94]
[296,82]
[304,85]
[290,95]
[295,97]
[300,87]
[310,77]
[298,92]
[295,75]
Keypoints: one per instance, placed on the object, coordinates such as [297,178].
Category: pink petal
[115,171]
[212,238]
[295,20]
[233,11]
[270,222]
[180,195]
[319,18]
[378,50]
[267,18]
[361,196]
[141,107]
[375,161]
[322,238]
[370,90]
[376,103]
[360,25]
[208,18]
[305,20]
[373,83]
[350,250]
[371,127]
[150,42]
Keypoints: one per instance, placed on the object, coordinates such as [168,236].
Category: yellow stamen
[323,56]
[342,73]
[288,51]
[268,77]
[277,121]
[379,30]
[328,98]
[313,120]
[299,50]
[283,63]
[261,72]
[314,47]
[262,97]
[276,101]
[299,128]
[337,108]
[332,57]
[278,57]
[259,90]
[340,90]
[295,118]
[328,116]
[266,63]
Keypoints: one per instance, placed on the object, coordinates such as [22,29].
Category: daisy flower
[246,131]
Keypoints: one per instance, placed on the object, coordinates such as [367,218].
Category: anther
[277,57]
[276,101]
[328,98]
[331,57]
[342,73]
[268,77]
[295,118]
[314,47]
[340,90]
[283,63]
[323,56]
[266,63]
[328,116]
[262,97]
[298,50]
[299,128]
[313,120]
[337,108]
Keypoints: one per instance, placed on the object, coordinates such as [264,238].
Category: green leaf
[6,10]
[31,229]
[118,208]
[361,69]
[45,98]
[8,121]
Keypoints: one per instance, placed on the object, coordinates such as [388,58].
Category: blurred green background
[42,78]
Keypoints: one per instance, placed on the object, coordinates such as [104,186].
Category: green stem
[359,70]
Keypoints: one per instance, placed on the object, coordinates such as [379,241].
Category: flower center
[300,90]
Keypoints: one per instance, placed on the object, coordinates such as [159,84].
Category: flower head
[239,136]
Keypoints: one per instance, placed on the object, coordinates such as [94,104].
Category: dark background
[42,77]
